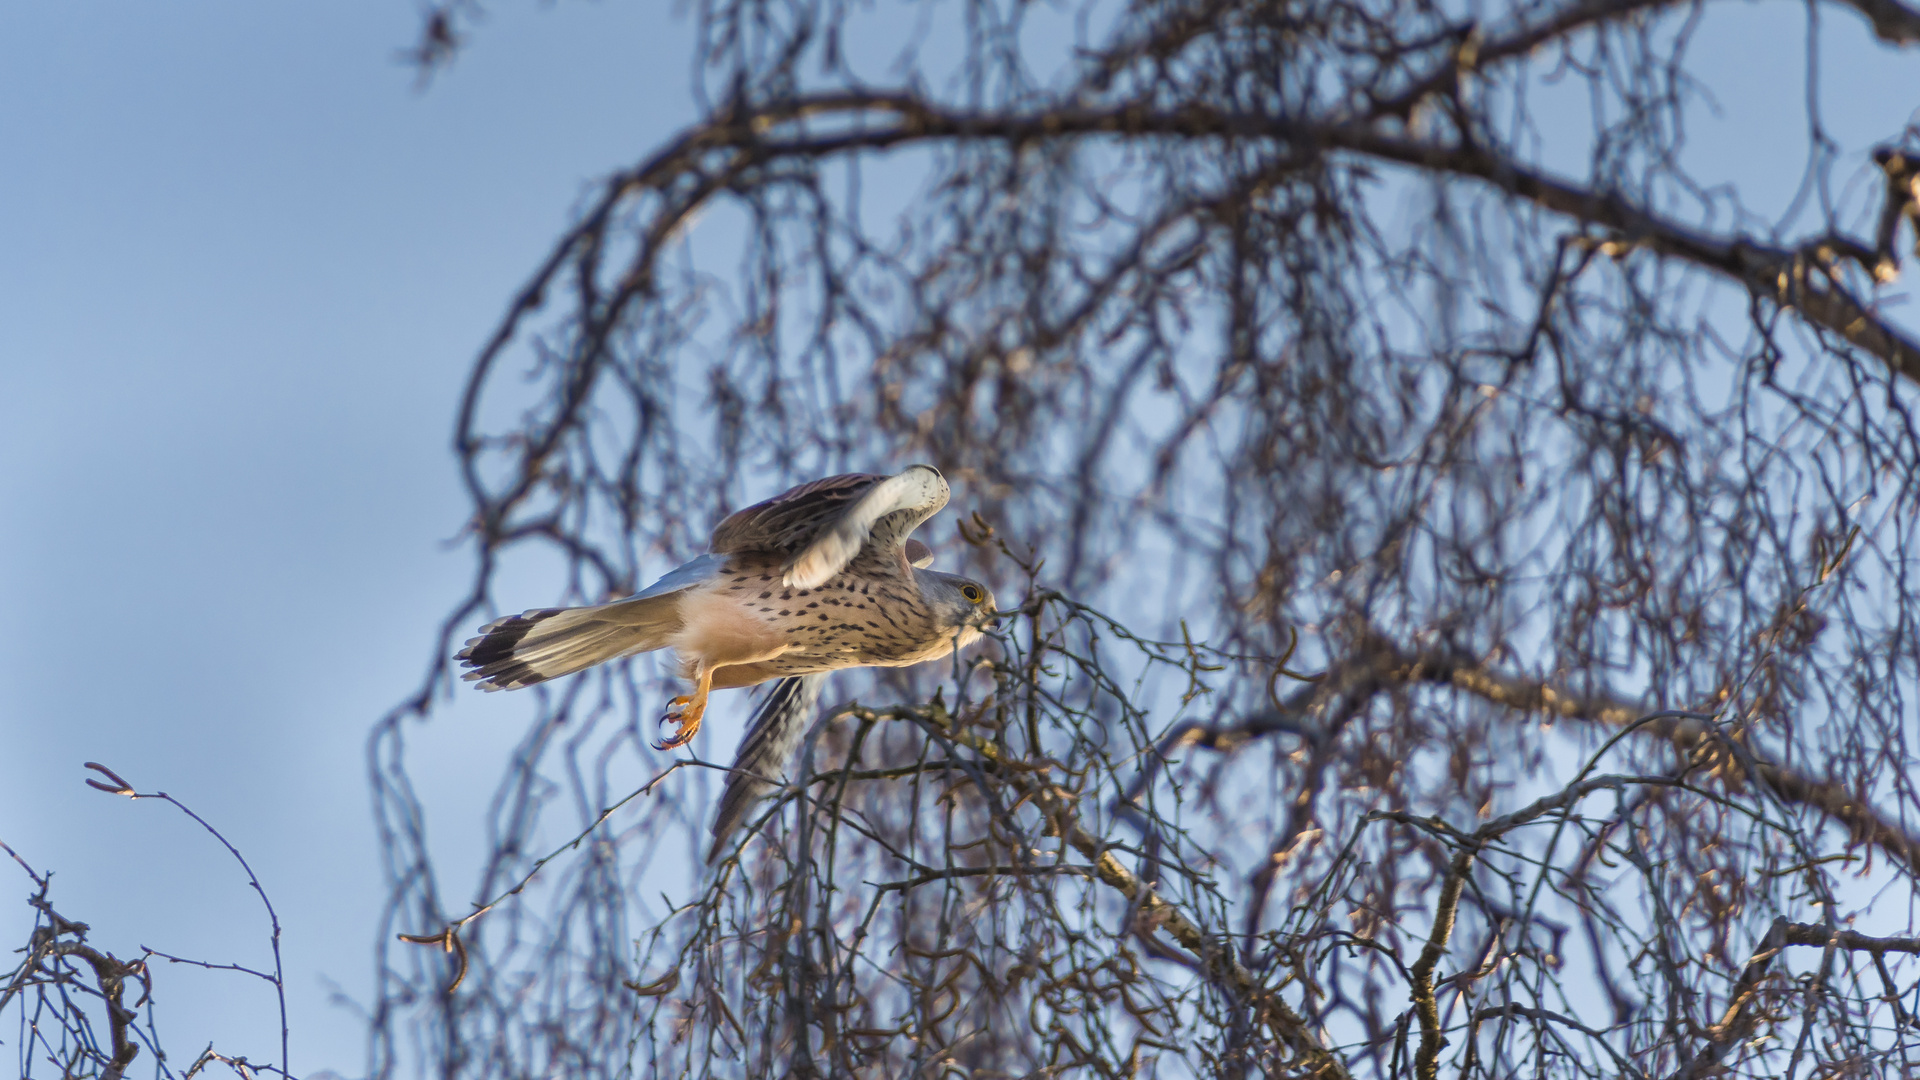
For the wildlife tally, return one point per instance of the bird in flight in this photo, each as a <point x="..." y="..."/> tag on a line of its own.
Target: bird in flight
<point x="818" y="578"/>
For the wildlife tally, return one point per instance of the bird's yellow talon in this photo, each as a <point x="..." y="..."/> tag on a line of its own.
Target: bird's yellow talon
<point x="686" y="712"/>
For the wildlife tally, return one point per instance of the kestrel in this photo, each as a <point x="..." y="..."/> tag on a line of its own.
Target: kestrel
<point x="815" y="579"/>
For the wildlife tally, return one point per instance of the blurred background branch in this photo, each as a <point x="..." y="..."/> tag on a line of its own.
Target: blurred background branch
<point x="1409" y="345"/>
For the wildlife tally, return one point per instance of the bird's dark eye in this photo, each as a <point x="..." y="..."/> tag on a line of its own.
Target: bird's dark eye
<point x="971" y="592"/>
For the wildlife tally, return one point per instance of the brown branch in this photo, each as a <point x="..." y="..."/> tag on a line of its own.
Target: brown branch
<point x="1425" y="1006"/>
<point x="1901" y="202"/>
<point x="932" y="876"/>
<point x="120" y="786"/>
<point x="1804" y="279"/>
<point x="1864" y="823"/>
<point x="1426" y="1063"/>
<point x="1339" y="697"/>
<point x="1892" y="21"/>
<point x="448" y="939"/>
<point x="1502" y="1012"/>
<point x="1217" y="961"/>
<point x="1741" y="1017"/>
<point x="37" y="879"/>
<point x="1472" y="54"/>
<point x="111" y="973"/>
<point x="1810" y="934"/>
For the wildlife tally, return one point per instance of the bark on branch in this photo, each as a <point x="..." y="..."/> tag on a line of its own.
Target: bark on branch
<point x="1806" y="279"/>
<point x="1426" y="1062"/>
<point x="1864" y="823"/>
<point x="1216" y="959"/>
<point x="47" y="946"/>
<point x="1742" y="1014"/>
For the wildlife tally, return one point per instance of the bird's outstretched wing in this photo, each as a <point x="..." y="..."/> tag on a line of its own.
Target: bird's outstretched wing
<point x="822" y="526"/>
<point x="534" y="646"/>
<point x="772" y="735"/>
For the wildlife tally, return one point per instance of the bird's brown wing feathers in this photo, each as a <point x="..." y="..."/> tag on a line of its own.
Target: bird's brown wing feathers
<point x="824" y="525"/>
<point x="790" y="520"/>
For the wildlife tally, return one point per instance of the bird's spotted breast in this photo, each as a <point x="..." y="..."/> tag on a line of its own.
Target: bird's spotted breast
<point x="871" y="614"/>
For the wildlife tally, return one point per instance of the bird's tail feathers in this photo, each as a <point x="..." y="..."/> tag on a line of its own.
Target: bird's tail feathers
<point x="534" y="646"/>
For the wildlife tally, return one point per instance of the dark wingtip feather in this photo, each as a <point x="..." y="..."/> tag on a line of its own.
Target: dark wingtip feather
<point x="776" y="723"/>
<point x="742" y="793"/>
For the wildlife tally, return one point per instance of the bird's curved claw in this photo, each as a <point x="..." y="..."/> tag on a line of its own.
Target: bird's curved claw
<point x="686" y="713"/>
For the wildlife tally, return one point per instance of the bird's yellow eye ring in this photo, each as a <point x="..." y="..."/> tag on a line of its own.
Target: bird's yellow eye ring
<point x="972" y="593"/>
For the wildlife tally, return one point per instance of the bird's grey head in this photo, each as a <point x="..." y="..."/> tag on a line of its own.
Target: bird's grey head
<point x="961" y="605"/>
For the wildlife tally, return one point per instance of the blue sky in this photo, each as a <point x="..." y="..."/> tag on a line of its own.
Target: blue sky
<point x="244" y="264"/>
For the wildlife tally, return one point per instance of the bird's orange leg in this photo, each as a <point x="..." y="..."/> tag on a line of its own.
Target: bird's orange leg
<point x="686" y="711"/>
